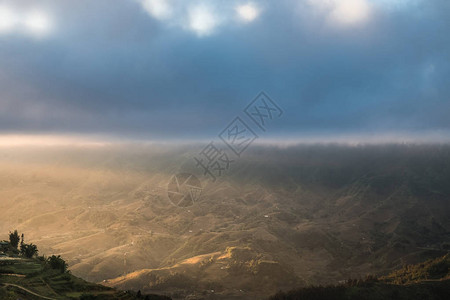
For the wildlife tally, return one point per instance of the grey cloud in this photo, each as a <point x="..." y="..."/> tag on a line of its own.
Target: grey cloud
<point x="112" y="68"/>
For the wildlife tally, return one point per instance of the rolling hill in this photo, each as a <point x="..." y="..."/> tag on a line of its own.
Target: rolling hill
<point x="306" y="214"/>
<point x="22" y="278"/>
<point x="429" y="280"/>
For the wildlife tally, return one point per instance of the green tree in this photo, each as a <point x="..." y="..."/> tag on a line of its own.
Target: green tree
<point x="28" y="250"/>
<point x="57" y="263"/>
<point x="14" y="239"/>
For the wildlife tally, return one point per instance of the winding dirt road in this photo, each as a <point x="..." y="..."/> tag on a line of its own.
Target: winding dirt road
<point x="26" y="290"/>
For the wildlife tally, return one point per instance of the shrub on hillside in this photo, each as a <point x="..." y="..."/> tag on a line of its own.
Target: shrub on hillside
<point x="57" y="263"/>
<point x="28" y="250"/>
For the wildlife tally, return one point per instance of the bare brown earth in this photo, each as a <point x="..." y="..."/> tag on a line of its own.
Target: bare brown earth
<point x="281" y="218"/>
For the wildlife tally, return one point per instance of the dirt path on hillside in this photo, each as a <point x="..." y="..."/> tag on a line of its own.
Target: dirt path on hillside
<point x="27" y="290"/>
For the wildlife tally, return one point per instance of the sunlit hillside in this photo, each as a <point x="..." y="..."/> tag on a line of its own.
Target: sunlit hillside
<point x="281" y="218"/>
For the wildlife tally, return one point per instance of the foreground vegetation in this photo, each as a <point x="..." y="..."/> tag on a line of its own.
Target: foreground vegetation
<point x="25" y="275"/>
<point x="426" y="281"/>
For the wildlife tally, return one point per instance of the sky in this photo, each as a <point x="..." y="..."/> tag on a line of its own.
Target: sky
<point x="178" y="69"/>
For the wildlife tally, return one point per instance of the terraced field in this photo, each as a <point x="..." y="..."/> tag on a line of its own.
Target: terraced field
<point x="29" y="279"/>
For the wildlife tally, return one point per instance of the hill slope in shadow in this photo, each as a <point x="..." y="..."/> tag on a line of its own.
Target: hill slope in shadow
<point x="425" y="281"/>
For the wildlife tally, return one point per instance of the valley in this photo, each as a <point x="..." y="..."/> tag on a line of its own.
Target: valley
<point x="283" y="217"/>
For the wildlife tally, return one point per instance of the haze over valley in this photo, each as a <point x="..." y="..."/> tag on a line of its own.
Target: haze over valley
<point x="282" y="218"/>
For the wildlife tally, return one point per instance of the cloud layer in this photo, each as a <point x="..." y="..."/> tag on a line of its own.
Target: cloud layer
<point x="182" y="69"/>
<point x="32" y="22"/>
<point x="202" y="18"/>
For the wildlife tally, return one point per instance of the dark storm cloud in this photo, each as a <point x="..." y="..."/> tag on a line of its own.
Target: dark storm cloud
<point x="111" y="67"/>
